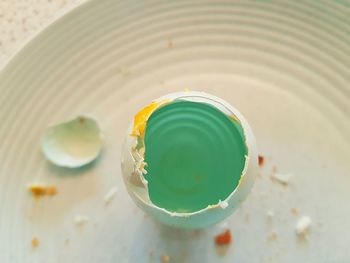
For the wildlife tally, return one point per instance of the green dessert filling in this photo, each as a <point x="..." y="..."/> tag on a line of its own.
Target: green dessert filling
<point x="195" y="155"/>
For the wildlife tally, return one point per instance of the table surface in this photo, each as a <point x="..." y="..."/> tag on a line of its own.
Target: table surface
<point x="20" y="20"/>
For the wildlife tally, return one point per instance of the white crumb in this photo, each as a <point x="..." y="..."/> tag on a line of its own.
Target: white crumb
<point x="110" y="195"/>
<point x="223" y="204"/>
<point x="282" y="178"/>
<point x="270" y="214"/>
<point x="303" y="226"/>
<point x="81" y="220"/>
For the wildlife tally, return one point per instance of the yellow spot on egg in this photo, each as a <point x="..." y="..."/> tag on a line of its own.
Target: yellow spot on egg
<point x="141" y="118"/>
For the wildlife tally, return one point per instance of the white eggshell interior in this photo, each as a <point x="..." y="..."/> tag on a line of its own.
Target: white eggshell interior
<point x="73" y="143"/>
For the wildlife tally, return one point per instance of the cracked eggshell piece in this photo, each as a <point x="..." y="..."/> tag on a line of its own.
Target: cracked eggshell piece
<point x="72" y="144"/>
<point x="213" y="213"/>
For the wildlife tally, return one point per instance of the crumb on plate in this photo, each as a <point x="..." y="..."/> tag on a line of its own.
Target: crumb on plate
<point x="41" y="190"/>
<point x="223" y="238"/>
<point x="261" y="160"/>
<point x="270" y="214"/>
<point x="294" y="211"/>
<point x="35" y="242"/>
<point x="303" y="225"/>
<point x="165" y="258"/>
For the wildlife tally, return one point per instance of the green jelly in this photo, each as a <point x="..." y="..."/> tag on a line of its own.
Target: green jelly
<point x="195" y="155"/>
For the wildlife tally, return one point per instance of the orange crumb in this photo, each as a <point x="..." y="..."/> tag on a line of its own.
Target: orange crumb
<point x="165" y="258"/>
<point x="35" y="242"/>
<point x="261" y="160"/>
<point x="37" y="190"/>
<point x="41" y="190"/>
<point x="223" y="238"/>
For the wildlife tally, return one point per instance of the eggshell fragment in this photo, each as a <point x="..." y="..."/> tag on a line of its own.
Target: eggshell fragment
<point x="72" y="144"/>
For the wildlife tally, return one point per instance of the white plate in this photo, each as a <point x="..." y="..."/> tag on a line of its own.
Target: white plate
<point x="285" y="65"/>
